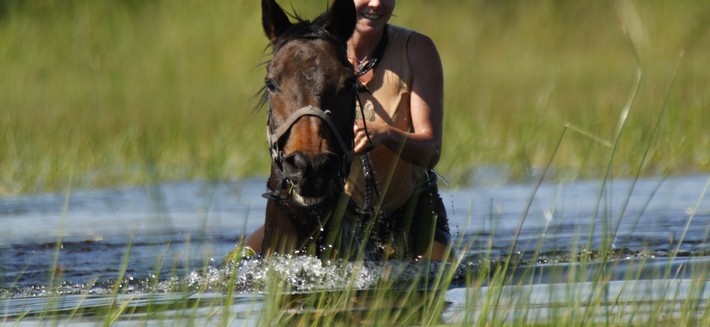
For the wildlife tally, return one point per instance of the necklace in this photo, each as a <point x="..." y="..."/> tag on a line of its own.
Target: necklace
<point x="360" y="62"/>
<point x="367" y="64"/>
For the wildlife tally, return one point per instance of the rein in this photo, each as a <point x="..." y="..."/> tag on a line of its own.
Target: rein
<point x="371" y="191"/>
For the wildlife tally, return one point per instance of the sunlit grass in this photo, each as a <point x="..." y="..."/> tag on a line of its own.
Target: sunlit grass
<point x="107" y="91"/>
<point x="103" y="91"/>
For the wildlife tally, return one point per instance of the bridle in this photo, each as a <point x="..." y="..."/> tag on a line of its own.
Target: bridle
<point x="274" y="137"/>
<point x="280" y="192"/>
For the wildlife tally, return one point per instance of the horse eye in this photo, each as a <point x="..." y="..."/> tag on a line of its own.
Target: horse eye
<point x="271" y="85"/>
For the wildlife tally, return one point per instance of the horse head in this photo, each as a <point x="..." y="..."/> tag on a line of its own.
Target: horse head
<point x="310" y="89"/>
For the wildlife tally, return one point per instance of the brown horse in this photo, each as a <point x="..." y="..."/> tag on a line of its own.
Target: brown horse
<point x="310" y="89"/>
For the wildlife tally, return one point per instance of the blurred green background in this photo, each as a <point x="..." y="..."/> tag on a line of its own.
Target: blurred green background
<point x="97" y="93"/>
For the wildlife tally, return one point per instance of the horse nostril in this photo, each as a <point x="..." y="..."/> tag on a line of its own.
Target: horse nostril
<point x="296" y="162"/>
<point x="328" y="163"/>
<point x="299" y="165"/>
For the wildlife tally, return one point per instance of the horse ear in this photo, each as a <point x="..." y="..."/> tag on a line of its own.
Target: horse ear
<point x="340" y="19"/>
<point x="274" y="19"/>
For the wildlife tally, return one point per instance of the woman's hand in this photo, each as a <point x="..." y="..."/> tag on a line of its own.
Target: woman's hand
<point x="378" y="134"/>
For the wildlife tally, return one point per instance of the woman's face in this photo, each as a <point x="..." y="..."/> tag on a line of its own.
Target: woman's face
<point x="373" y="14"/>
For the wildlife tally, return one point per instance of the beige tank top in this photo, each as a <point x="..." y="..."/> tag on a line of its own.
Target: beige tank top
<point x="389" y="102"/>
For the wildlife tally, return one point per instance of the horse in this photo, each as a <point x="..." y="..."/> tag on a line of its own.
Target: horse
<point x="310" y="90"/>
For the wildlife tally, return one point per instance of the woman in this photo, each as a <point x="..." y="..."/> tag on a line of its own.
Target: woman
<point x="402" y="104"/>
<point x="399" y="134"/>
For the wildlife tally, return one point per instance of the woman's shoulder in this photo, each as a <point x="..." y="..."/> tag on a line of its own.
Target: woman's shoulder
<point x="399" y="30"/>
<point x="415" y="41"/>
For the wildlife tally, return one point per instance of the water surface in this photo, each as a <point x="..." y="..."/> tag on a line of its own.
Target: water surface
<point x="157" y="239"/>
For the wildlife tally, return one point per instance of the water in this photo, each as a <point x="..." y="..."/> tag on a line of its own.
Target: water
<point x="156" y="241"/>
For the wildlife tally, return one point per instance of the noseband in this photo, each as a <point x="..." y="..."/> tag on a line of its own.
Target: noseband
<point x="274" y="137"/>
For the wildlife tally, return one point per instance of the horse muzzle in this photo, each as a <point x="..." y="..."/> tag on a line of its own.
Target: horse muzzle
<point x="313" y="178"/>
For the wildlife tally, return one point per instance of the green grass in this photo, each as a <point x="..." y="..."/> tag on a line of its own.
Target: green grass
<point x="122" y="92"/>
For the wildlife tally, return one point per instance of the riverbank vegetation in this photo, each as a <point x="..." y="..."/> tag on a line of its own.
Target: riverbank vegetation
<point x="102" y="93"/>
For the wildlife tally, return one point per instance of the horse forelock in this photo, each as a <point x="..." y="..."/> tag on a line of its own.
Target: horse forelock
<point x="302" y="30"/>
<point x="308" y="30"/>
